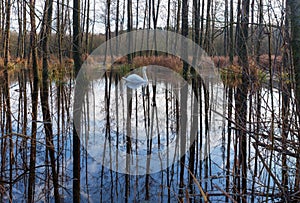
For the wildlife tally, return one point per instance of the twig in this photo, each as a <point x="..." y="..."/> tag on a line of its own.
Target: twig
<point x="205" y="198"/>
<point x="225" y="193"/>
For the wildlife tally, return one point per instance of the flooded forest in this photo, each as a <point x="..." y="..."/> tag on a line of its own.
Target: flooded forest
<point x="150" y="101"/>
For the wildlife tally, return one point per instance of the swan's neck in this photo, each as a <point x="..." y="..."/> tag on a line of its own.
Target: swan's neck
<point x="145" y="75"/>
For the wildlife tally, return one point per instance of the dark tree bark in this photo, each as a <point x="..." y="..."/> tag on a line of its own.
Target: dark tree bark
<point x="76" y="36"/>
<point x="34" y="98"/>
<point x="155" y="17"/>
<point x="155" y="13"/>
<point x="230" y="100"/>
<point x="129" y="28"/>
<point x="117" y="25"/>
<point x="77" y="104"/>
<point x="6" y="92"/>
<point x="107" y="28"/>
<point x="241" y="96"/>
<point x="202" y="24"/>
<point x="178" y="16"/>
<point x="24" y="30"/>
<point x="185" y="33"/>
<point x="258" y="94"/>
<point x="295" y="25"/>
<point x="285" y="101"/>
<point x="59" y="31"/>
<point x="226" y="38"/>
<point x="45" y="94"/>
<point x="1" y="27"/>
<point x="87" y="27"/>
<point x="231" y="44"/>
<point x="20" y="21"/>
<point x="207" y="37"/>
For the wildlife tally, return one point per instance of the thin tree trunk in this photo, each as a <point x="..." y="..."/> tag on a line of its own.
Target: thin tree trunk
<point x="185" y="33"/>
<point x="59" y="33"/>
<point x="129" y="29"/>
<point x="230" y="101"/>
<point x="178" y="17"/>
<point x="77" y="104"/>
<point x="45" y="95"/>
<point x="231" y="44"/>
<point x="117" y="25"/>
<point x="285" y="102"/>
<point x="87" y="27"/>
<point x="295" y="25"/>
<point x="24" y="30"/>
<point x="94" y="21"/>
<point x="1" y="27"/>
<point x="202" y="24"/>
<point x="226" y="38"/>
<point x="258" y="96"/>
<point x="7" y="95"/>
<point x="207" y="37"/>
<point x="34" y="98"/>
<point x="20" y="16"/>
<point x="241" y="96"/>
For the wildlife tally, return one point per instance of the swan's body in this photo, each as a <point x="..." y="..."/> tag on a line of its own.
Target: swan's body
<point x="134" y="81"/>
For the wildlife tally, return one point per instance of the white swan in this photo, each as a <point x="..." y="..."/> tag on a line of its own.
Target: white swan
<point x="134" y="81"/>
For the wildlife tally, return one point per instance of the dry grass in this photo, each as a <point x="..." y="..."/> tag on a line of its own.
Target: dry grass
<point x="1" y="63"/>
<point x="231" y="75"/>
<point x="56" y="69"/>
<point x="171" y="62"/>
<point x="223" y="62"/>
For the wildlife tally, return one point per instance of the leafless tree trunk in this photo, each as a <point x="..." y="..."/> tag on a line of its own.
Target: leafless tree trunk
<point x="295" y="25"/>
<point x="241" y="97"/>
<point x="45" y="94"/>
<point x="285" y="99"/>
<point x="207" y="37"/>
<point x="7" y="95"/>
<point x="77" y="104"/>
<point x="34" y="98"/>
<point x="59" y="31"/>
<point x="129" y="29"/>
<point x="87" y="27"/>
<point x="117" y="25"/>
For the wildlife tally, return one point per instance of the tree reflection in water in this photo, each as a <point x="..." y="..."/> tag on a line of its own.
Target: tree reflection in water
<point x="144" y="136"/>
<point x="132" y="142"/>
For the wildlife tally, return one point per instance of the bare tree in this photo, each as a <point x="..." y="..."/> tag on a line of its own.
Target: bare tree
<point x="295" y="25"/>
<point x="77" y="112"/>
<point x="241" y="96"/>
<point x="34" y="98"/>
<point x="45" y="94"/>
<point x="7" y="93"/>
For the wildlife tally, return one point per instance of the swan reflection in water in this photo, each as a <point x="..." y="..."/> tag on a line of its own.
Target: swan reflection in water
<point x="135" y="81"/>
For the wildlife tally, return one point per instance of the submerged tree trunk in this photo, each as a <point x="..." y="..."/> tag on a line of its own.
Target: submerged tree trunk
<point x="45" y="94"/>
<point x="34" y="98"/>
<point x="295" y="25"/>
<point x="77" y="105"/>
<point x="241" y="97"/>
<point x="7" y="95"/>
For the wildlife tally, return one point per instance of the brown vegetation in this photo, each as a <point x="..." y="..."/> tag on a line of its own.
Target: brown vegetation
<point x="223" y="62"/>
